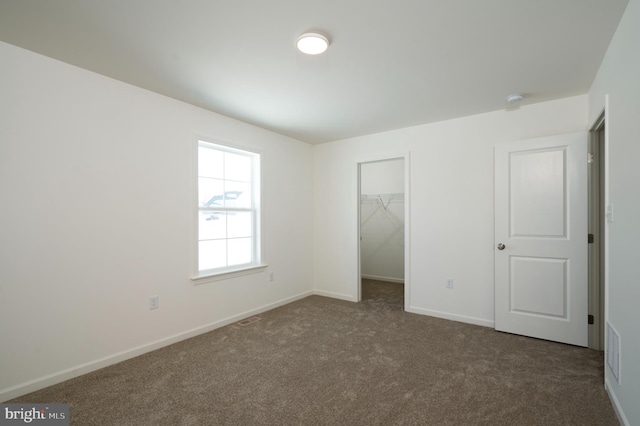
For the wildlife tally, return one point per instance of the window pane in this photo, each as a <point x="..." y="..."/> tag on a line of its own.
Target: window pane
<point x="210" y="162"/>
<point x="212" y="254"/>
<point x="226" y="238"/>
<point x="210" y="192"/>
<point x="237" y="167"/>
<point x="237" y="194"/>
<point x="240" y="251"/>
<point x="239" y="224"/>
<point x="212" y="225"/>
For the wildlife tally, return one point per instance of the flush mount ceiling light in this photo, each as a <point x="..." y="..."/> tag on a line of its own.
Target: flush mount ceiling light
<point x="312" y="43"/>
<point x="516" y="97"/>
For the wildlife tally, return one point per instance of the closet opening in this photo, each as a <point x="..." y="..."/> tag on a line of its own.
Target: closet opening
<point x="382" y="215"/>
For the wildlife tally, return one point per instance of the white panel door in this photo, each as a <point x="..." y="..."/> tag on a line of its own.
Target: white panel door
<point x="541" y="278"/>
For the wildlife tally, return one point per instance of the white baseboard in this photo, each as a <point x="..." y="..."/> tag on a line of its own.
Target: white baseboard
<point x="387" y="279"/>
<point x="453" y="317"/>
<point x="333" y="295"/>
<point x="61" y="376"/>
<point x="616" y="404"/>
<point x="416" y="310"/>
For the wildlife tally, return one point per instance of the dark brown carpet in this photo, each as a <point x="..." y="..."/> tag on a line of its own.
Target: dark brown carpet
<point x="383" y="296"/>
<point x="320" y="361"/>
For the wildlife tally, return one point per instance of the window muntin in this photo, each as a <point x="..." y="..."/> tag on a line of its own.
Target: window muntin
<point x="228" y="209"/>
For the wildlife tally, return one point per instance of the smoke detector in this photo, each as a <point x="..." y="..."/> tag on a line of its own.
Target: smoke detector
<point x="515" y="97"/>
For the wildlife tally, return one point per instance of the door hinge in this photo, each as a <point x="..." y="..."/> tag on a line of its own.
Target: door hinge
<point x="589" y="319"/>
<point x="590" y="239"/>
<point x="590" y="157"/>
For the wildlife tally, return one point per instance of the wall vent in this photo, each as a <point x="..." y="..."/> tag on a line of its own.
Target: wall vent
<point x="613" y="352"/>
<point x="248" y="321"/>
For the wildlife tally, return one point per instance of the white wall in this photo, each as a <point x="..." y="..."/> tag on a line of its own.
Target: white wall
<point x="96" y="216"/>
<point x="619" y="80"/>
<point x="382" y="220"/>
<point x="382" y="177"/>
<point x="450" y="202"/>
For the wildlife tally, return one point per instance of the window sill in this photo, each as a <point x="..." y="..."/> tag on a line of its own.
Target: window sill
<point x="211" y="277"/>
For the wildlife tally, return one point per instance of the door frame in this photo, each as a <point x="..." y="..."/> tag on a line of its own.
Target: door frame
<point x="405" y="156"/>
<point x="598" y="199"/>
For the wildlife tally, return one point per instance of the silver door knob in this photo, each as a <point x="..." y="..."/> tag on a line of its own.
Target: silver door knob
<point x="501" y="246"/>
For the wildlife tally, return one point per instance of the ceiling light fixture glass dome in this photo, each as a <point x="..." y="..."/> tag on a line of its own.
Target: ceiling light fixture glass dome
<point x="312" y="43"/>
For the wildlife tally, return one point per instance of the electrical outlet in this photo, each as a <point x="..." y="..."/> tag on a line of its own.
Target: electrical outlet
<point x="153" y="302"/>
<point x="449" y="282"/>
<point x="271" y="276"/>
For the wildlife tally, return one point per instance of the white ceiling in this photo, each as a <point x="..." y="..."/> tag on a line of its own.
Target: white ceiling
<point x="390" y="64"/>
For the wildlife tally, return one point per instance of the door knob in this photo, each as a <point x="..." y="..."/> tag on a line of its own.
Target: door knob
<point x="501" y="246"/>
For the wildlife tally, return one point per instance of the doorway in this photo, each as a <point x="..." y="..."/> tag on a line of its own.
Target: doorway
<point x="597" y="227"/>
<point x="382" y="230"/>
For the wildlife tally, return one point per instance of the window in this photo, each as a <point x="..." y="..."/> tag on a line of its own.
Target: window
<point x="228" y="210"/>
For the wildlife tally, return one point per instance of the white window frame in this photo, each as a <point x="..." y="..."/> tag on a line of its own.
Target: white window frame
<point x="203" y="276"/>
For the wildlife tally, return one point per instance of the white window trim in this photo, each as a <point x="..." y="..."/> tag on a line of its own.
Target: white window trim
<point x="207" y="277"/>
<point x="202" y="277"/>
